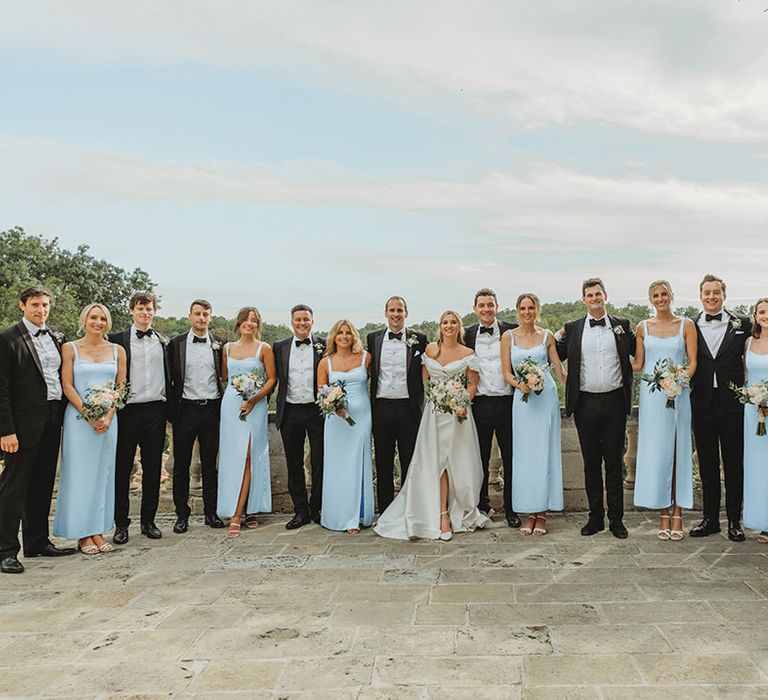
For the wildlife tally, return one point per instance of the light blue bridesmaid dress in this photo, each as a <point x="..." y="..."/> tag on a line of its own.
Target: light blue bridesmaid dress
<point x="347" y="471"/>
<point x="537" y="470"/>
<point x="85" y="504"/>
<point x="664" y="434"/>
<point x="755" y="451"/>
<point x="235" y="436"/>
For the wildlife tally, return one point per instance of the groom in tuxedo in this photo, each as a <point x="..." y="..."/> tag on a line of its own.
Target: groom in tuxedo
<point x="492" y="407"/>
<point x="31" y="413"/>
<point x="718" y="417"/>
<point x="195" y="363"/>
<point x="397" y="395"/>
<point x="297" y="417"/>
<point x="599" y="392"/>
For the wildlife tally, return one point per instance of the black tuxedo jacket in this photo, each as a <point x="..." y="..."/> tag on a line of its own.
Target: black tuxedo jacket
<point x="727" y="365"/>
<point x="177" y="358"/>
<point x="470" y="332"/>
<point x="570" y="349"/>
<point x="23" y="392"/>
<point x="282" y="351"/>
<point x="413" y="355"/>
<point x="123" y="338"/>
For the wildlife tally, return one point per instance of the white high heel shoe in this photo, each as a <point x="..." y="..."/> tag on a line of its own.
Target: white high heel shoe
<point x="446" y="536"/>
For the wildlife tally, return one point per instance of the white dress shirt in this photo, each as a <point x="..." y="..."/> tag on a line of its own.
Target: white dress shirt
<point x="600" y="363"/>
<point x="147" y="368"/>
<point x="393" y="366"/>
<point x="199" y="371"/>
<point x="301" y="373"/>
<point x="49" y="357"/>
<point x="488" y="350"/>
<point x="713" y="333"/>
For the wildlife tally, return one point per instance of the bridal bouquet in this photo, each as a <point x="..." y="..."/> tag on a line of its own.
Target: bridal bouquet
<point x="100" y="399"/>
<point x="248" y="384"/>
<point x="450" y="395"/>
<point x="757" y="395"/>
<point x="668" y="378"/>
<point x="332" y="398"/>
<point x="533" y="375"/>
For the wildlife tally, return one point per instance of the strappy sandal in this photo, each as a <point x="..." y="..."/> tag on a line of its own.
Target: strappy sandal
<point x="664" y="533"/>
<point x="448" y="535"/>
<point x="539" y="531"/>
<point x="234" y="530"/>
<point x="762" y="538"/>
<point x="88" y="549"/>
<point x="251" y="522"/>
<point x="676" y="535"/>
<point x="106" y="547"/>
<point x="528" y="529"/>
<point x="353" y="531"/>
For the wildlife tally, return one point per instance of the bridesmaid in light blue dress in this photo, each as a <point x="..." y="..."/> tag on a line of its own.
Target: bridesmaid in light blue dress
<point x="755" y="446"/>
<point x="244" y="477"/>
<point x="85" y="505"/>
<point x="347" y="474"/>
<point x="537" y="471"/>
<point x="664" y="476"/>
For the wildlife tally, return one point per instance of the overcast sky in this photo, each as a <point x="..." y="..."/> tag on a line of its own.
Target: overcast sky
<point x="337" y="152"/>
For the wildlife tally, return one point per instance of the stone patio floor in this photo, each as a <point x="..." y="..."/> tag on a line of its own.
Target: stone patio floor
<point x="314" y="614"/>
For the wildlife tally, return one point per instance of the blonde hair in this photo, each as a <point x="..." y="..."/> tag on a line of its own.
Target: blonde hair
<point x="756" y="327"/>
<point x="330" y="343"/>
<point x="460" y="337"/>
<point x="242" y="317"/>
<point x="87" y="310"/>
<point x="660" y="283"/>
<point x="533" y="298"/>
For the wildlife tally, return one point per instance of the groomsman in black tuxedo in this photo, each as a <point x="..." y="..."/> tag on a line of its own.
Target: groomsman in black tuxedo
<point x="397" y="395"/>
<point x="298" y="418"/>
<point x="142" y="421"/>
<point x="599" y="392"/>
<point x="195" y="359"/>
<point x="718" y="417"/>
<point x="31" y="413"/>
<point x="492" y="407"/>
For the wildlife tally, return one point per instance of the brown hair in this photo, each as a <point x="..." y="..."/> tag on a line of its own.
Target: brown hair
<point x="460" y="337"/>
<point x="330" y="343"/>
<point x="405" y="303"/>
<point x="484" y="292"/>
<point x="142" y="298"/>
<point x="711" y="278"/>
<point x="660" y="283"/>
<point x="532" y="297"/>
<point x="201" y="302"/>
<point x="35" y="290"/>
<point x="756" y="328"/>
<point x="242" y="317"/>
<point x="592" y="282"/>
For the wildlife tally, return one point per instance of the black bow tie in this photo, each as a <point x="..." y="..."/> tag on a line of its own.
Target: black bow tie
<point x="714" y="317"/>
<point x="142" y="334"/>
<point x="395" y="336"/>
<point x="306" y="341"/>
<point x="486" y="329"/>
<point x="42" y="331"/>
<point x="197" y="339"/>
<point x="595" y="322"/>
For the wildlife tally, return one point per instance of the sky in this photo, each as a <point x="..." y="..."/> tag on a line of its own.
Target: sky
<point x="337" y="152"/>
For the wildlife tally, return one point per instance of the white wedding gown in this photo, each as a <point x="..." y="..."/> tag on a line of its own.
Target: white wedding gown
<point x="443" y="444"/>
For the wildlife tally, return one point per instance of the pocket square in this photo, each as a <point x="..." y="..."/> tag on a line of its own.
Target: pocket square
<point x="739" y="332"/>
<point x="416" y="353"/>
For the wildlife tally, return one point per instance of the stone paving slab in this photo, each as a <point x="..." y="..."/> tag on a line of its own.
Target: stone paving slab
<point x="311" y="614"/>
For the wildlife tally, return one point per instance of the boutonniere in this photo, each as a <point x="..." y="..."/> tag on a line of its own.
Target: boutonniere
<point x="215" y="345"/>
<point x="319" y="348"/>
<point x="736" y="323"/>
<point x="58" y="336"/>
<point x="617" y="329"/>
<point x="412" y="340"/>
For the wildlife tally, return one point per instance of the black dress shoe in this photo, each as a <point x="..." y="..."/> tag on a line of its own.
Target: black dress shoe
<point x="121" y="535"/>
<point x="706" y="527"/>
<point x="735" y="533"/>
<point x="618" y="529"/>
<point x="315" y="517"/>
<point x="51" y="550"/>
<point x="298" y="520"/>
<point x="181" y="525"/>
<point x="11" y="565"/>
<point x="513" y="519"/>
<point x="151" y="530"/>
<point x="592" y="527"/>
<point x="214" y="521"/>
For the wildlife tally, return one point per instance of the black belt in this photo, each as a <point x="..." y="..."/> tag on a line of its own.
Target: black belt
<point x="199" y="402"/>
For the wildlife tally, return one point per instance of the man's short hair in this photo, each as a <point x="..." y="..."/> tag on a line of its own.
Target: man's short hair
<point x="399" y="298"/>
<point x="485" y="292"/>
<point x="302" y="307"/>
<point x="201" y="302"/>
<point x="36" y="290"/>
<point x="142" y="298"/>
<point x="711" y="278"/>
<point x="592" y="282"/>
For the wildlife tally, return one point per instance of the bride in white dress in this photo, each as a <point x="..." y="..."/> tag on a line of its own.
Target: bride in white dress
<point x="441" y="491"/>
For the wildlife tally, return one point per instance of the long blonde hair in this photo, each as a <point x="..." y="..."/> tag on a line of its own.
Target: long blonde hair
<point x="330" y="343"/>
<point x="459" y="338"/>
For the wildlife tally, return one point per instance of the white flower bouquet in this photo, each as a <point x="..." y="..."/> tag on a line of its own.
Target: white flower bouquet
<point x="248" y="384"/>
<point x="100" y="399"/>
<point x="332" y="398"/>
<point x="450" y="395"/>
<point x="532" y="374"/>
<point x="668" y="378"/>
<point x="757" y="395"/>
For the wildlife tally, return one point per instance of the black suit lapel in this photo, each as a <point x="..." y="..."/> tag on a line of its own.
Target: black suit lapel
<point x="216" y="362"/>
<point x="574" y="353"/>
<point x="730" y="334"/>
<point x="408" y="353"/>
<point x="703" y="347"/>
<point x="181" y="348"/>
<point x="378" y="342"/>
<point x="27" y="338"/>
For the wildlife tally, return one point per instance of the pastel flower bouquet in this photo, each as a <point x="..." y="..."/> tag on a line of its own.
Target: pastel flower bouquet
<point x="669" y="378"/>
<point x="450" y="395"/>
<point x="332" y="398"/>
